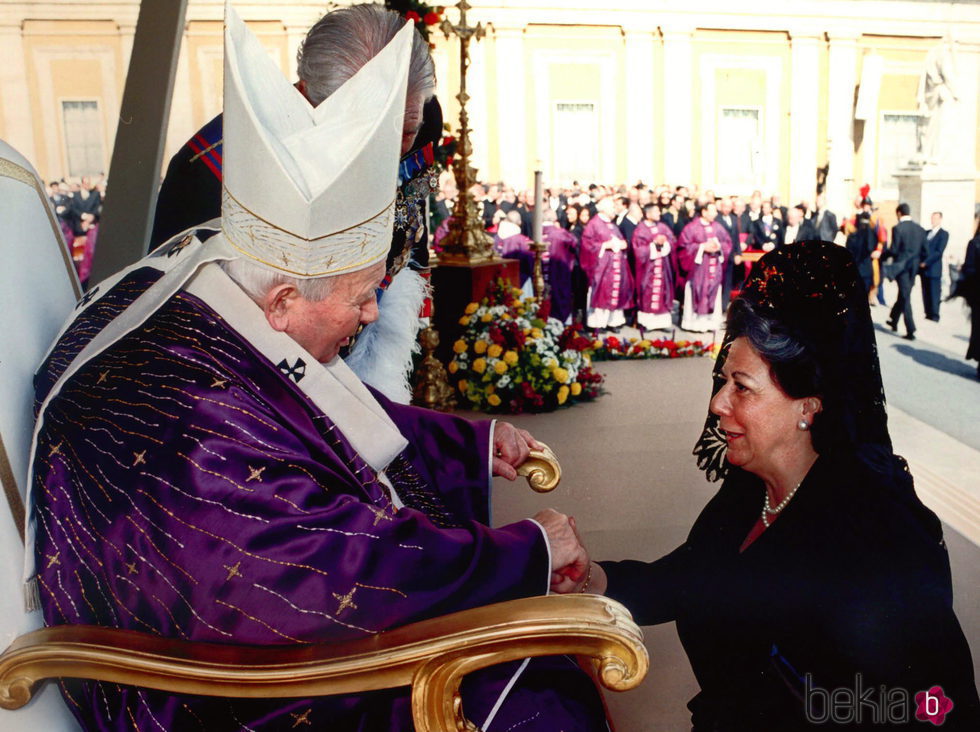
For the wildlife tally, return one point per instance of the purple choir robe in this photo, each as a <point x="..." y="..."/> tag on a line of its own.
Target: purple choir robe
<point x="706" y="277"/>
<point x="517" y="246"/>
<point x="654" y="277"/>
<point x="559" y="264"/>
<point x="184" y="485"/>
<point x="609" y="274"/>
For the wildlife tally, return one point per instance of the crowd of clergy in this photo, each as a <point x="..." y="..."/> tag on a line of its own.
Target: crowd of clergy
<point x="652" y="257"/>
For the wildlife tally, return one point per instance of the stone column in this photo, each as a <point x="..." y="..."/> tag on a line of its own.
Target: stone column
<point x="512" y="107"/>
<point x="678" y="105"/>
<point x="17" y="125"/>
<point x="295" y="34"/>
<point x="804" y="75"/>
<point x="639" y="109"/>
<point x="476" y="83"/>
<point x="127" y="31"/>
<point x="842" y="74"/>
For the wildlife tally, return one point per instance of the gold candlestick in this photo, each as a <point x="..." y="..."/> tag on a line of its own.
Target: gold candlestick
<point x="467" y="240"/>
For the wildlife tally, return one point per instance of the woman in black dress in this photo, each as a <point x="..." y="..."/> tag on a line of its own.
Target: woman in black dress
<point x="815" y="567"/>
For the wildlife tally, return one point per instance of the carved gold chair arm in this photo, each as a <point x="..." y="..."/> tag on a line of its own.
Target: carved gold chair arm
<point x="542" y="470"/>
<point x="432" y="656"/>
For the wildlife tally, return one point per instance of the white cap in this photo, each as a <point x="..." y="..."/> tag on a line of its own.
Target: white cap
<point x="310" y="191"/>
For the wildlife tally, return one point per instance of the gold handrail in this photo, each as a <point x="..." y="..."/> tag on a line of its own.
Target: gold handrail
<point x="432" y="655"/>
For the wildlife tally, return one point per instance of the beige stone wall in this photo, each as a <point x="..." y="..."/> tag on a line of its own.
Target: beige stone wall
<point x="657" y="74"/>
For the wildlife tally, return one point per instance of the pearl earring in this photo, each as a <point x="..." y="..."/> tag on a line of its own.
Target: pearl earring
<point x="803" y="425"/>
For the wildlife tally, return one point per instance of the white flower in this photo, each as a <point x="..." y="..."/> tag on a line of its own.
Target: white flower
<point x="503" y="381"/>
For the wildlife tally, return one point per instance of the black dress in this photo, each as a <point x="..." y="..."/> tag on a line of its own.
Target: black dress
<point x="852" y="578"/>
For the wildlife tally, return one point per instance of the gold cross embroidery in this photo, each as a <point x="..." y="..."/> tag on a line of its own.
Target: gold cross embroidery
<point x="255" y="473"/>
<point x="132" y="568"/>
<point x="219" y="383"/>
<point x="103" y="376"/>
<point x="139" y="458"/>
<point x="53" y="560"/>
<point x="346" y="601"/>
<point x="55" y="449"/>
<point x="379" y="514"/>
<point x="233" y="571"/>
<point x="303" y="718"/>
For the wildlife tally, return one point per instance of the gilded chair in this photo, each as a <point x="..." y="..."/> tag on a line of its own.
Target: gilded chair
<point x="38" y="290"/>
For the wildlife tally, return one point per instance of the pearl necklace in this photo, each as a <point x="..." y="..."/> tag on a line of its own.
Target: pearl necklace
<point x="767" y="509"/>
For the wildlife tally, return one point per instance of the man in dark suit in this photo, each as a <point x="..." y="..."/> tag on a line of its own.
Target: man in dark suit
<point x="729" y="222"/>
<point x="906" y="251"/>
<point x="797" y="227"/>
<point x="824" y="220"/>
<point x="767" y="230"/>
<point x="931" y="267"/>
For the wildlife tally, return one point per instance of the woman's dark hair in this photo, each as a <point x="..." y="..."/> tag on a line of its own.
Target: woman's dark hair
<point x="792" y="364"/>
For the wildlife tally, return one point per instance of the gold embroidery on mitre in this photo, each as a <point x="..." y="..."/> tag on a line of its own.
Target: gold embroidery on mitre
<point x="345" y="250"/>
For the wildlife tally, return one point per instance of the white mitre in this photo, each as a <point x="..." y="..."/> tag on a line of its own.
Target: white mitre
<point x="310" y="191"/>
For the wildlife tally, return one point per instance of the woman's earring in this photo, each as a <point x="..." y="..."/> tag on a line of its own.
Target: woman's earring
<point x="803" y="425"/>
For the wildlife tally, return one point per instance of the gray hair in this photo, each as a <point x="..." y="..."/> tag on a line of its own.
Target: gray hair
<point x="345" y="39"/>
<point x="257" y="280"/>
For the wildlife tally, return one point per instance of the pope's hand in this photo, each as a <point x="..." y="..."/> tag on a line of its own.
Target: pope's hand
<point x="569" y="559"/>
<point x="511" y="447"/>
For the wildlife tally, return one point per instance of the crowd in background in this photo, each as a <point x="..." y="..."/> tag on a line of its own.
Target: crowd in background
<point x="754" y="224"/>
<point x="78" y="207"/>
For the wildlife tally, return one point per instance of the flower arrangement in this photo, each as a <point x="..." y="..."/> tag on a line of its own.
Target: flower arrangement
<point x="612" y="348"/>
<point x="423" y="14"/>
<point x="513" y="358"/>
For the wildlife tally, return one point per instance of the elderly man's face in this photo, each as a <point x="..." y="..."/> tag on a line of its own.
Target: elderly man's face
<point x="324" y="327"/>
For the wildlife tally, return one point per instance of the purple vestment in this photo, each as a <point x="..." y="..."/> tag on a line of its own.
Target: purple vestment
<point x="705" y="276"/>
<point x="559" y="263"/>
<point x="516" y="246"/>
<point x="654" y="275"/>
<point x="186" y="486"/>
<point x="610" y="279"/>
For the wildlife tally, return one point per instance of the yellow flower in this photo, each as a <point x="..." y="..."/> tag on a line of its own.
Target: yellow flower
<point x="464" y="320"/>
<point x="463" y="386"/>
<point x="490" y="389"/>
<point x="486" y="318"/>
<point x="459" y="346"/>
<point x="453" y="367"/>
<point x="505" y="316"/>
<point x="510" y="357"/>
<point x="551" y="363"/>
<point x="480" y="365"/>
<point x="682" y="344"/>
<point x="633" y="340"/>
<point x="494" y="400"/>
<point x="597" y="343"/>
<point x="500" y="367"/>
<point x="471" y="308"/>
<point x="480" y="347"/>
<point x="560" y="375"/>
<point x="494" y="351"/>
<point x="644" y="344"/>
<point x="562" y="394"/>
<point x="537" y="333"/>
<point x="576" y="389"/>
<point x="516" y="291"/>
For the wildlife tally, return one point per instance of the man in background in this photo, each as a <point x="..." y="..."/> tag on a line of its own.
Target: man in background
<point x="931" y="267"/>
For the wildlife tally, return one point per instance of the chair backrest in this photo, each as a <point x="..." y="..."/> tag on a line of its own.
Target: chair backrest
<point x="38" y="290"/>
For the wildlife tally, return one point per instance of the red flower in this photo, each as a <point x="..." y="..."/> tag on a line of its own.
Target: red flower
<point x="544" y="310"/>
<point x="431" y="18"/>
<point x="612" y="342"/>
<point x="413" y="16"/>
